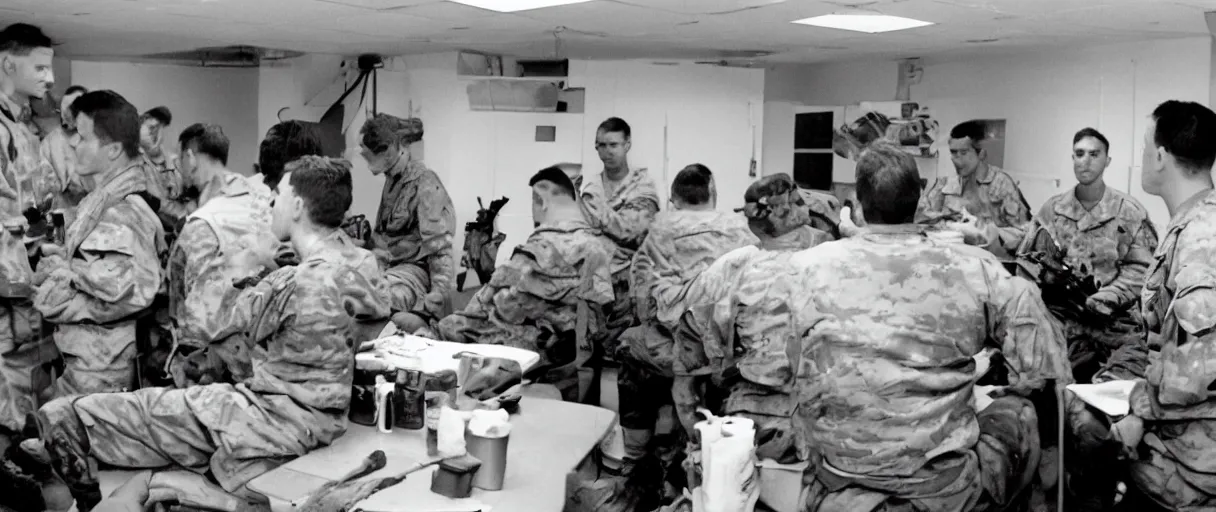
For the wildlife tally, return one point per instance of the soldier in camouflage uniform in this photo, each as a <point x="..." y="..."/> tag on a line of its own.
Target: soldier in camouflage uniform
<point x="550" y="295"/>
<point x="25" y="69"/>
<point x="719" y="351"/>
<point x="1105" y="234"/>
<point x="299" y="321"/>
<point x="682" y="242"/>
<point x="108" y="272"/>
<point x="166" y="181"/>
<point x="59" y="149"/>
<point x="622" y="202"/>
<point x="1170" y="430"/>
<point x="898" y="329"/>
<point x="416" y="223"/>
<point x="226" y="239"/>
<point x="980" y="190"/>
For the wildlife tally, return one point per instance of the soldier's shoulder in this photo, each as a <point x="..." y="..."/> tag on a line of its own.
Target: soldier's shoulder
<point x="1130" y="208"/>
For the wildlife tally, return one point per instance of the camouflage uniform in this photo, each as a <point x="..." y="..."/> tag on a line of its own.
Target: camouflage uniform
<point x="741" y="355"/>
<point x="824" y="209"/>
<point x="554" y="283"/>
<point x="1177" y="463"/>
<point x="59" y="149"/>
<point x="26" y="180"/>
<point x="112" y="276"/>
<point x="624" y="215"/>
<point x="227" y="239"/>
<point x="299" y="323"/>
<point x="680" y="245"/>
<point x="996" y="202"/>
<point x="884" y="387"/>
<point x="413" y="234"/>
<point x="1114" y="242"/>
<point x="167" y="184"/>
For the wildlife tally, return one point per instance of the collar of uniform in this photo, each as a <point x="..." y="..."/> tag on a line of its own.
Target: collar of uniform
<point x="632" y="175"/>
<point x="20" y="113"/>
<point x="228" y="184"/>
<point x="984" y="176"/>
<point x="406" y="170"/>
<point x="1189" y="204"/>
<point x="564" y="226"/>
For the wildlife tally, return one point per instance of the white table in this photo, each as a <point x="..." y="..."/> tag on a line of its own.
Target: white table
<point x="549" y="439"/>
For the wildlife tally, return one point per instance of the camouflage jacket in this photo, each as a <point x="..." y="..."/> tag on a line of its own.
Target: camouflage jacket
<point x="166" y="183"/>
<point x="299" y="322"/>
<point x="893" y="322"/>
<point x="1179" y="307"/>
<point x="28" y="179"/>
<point x="1114" y="241"/>
<point x="823" y="207"/>
<point x="997" y="204"/>
<point x="113" y="272"/>
<point x="228" y="238"/>
<point x="538" y="290"/>
<point x="416" y="224"/>
<point x="680" y="245"/>
<point x="624" y="214"/>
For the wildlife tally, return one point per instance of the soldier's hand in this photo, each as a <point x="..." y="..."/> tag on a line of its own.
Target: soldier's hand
<point x="1102" y="303"/>
<point x="1129" y="431"/>
<point x="130" y="497"/>
<point x="49" y="249"/>
<point x="435" y="303"/>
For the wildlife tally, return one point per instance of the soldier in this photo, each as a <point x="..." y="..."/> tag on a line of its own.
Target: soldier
<point x="1104" y="234"/>
<point x="621" y="202"/>
<point x="555" y="282"/>
<point x="898" y="329"/>
<point x="284" y="143"/>
<point x="165" y="179"/>
<point x="59" y="149"/>
<point x="25" y="72"/>
<point x="755" y="378"/>
<point x="108" y="271"/>
<point x="682" y="242"/>
<point x="980" y="190"/>
<point x="299" y="321"/>
<point x="416" y="222"/>
<point x="228" y="237"/>
<point x="1171" y="422"/>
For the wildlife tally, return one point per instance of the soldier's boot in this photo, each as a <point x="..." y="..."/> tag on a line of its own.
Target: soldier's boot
<point x="637" y="447"/>
<point x="67" y="444"/>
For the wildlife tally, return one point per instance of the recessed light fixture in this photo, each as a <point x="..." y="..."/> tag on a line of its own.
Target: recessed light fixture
<point x="868" y="23"/>
<point x="516" y="5"/>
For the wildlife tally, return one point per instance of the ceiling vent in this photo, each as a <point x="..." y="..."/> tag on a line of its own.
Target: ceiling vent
<point x="225" y="56"/>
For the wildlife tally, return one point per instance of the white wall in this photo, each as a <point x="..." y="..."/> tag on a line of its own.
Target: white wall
<point x="224" y="96"/>
<point x="1045" y="97"/>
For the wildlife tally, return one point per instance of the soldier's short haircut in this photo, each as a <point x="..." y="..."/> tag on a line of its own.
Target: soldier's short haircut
<point x="114" y="119"/>
<point x="205" y="139"/>
<point x="1085" y="133"/>
<point x="888" y="185"/>
<point x="161" y="114"/>
<point x="969" y="130"/>
<point x="616" y="125"/>
<point x="75" y="89"/>
<point x="692" y="185"/>
<point x="284" y="143"/>
<point x="324" y="184"/>
<point x="22" y="38"/>
<point x="557" y="179"/>
<point x="1187" y="130"/>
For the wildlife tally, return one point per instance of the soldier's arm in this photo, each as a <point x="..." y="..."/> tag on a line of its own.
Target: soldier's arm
<point x="519" y="287"/>
<point x="708" y="287"/>
<point x="1187" y="364"/>
<point x="627" y="226"/>
<point x="642" y="275"/>
<point x="1031" y="340"/>
<point x="436" y="222"/>
<point x="1133" y="267"/>
<point x="929" y="208"/>
<point x="1015" y="214"/>
<point x="195" y="296"/>
<point x="116" y="275"/>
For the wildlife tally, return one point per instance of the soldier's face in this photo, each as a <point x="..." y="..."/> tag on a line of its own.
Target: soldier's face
<point x="1089" y="160"/>
<point x="31" y="74"/>
<point x="95" y="156"/>
<point x="965" y="156"/>
<point x="612" y="148"/>
<point x="379" y="162"/>
<point x="538" y="206"/>
<point x="149" y="135"/>
<point x="1152" y="165"/>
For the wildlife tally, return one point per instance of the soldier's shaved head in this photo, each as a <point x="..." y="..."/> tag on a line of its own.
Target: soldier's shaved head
<point x="888" y="185"/>
<point x="554" y="181"/>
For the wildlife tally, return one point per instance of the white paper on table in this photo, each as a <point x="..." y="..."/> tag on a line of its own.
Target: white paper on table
<point x="431" y="356"/>
<point x="981" y="398"/>
<point x="1112" y="398"/>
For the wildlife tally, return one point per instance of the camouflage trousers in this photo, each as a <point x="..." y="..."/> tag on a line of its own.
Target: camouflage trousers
<point x="24" y="380"/>
<point x="1159" y="474"/>
<point x="232" y="432"/>
<point x="645" y="380"/>
<point x="96" y="359"/>
<point x="993" y="477"/>
<point x="1091" y="348"/>
<point x="407" y="286"/>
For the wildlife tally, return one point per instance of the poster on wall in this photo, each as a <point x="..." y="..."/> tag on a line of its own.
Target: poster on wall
<point x="905" y="124"/>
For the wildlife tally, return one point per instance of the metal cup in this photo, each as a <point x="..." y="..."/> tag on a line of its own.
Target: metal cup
<point x="492" y="452"/>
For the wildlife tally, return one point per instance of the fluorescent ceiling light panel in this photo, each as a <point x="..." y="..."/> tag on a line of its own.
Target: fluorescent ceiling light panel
<point x="868" y="23"/>
<point x="516" y="5"/>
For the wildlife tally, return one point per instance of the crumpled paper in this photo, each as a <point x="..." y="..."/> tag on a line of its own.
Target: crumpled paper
<point x="490" y="424"/>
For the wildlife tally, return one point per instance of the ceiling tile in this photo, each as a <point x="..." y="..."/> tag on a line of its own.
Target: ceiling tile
<point x="617" y="19"/>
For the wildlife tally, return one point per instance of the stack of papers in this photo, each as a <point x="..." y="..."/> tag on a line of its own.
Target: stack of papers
<point x="1112" y="398"/>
